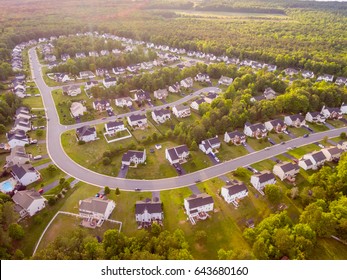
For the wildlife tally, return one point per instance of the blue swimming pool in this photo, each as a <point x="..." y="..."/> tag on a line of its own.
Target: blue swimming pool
<point x="7" y="186"/>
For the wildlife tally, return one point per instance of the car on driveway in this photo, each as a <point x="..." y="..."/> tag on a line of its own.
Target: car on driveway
<point x="271" y="141"/>
<point x="137" y="189"/>
<point x="305" y="136"/>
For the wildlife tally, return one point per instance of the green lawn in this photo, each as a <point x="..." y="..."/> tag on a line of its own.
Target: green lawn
<point x="300" y="151"/>
<point x="279" y="137"/>
<point x="169" y="125"/>
<point x="36" y="149"/>
<point x="267" y="164"/>
<point x="227" y="152"/>
<point x="336" y="123"/>
<point x="198" y="160"/>
<point x="173" y="97"/>
<point x="257" y="144"/>
<point x="140" y="134"/>
<point x="329" y="249"/>
<point x="33" y="102"/>
<point x="298" y="132"/>
<point x="318" y="127"/>
<point x="47" y="178"/>
<point x="40" y="162"/>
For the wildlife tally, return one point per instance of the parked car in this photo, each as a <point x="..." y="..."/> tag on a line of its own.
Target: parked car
<point x="137" y="189"/>
<point x="305" y="136"/>
<point x="40" y="191"/>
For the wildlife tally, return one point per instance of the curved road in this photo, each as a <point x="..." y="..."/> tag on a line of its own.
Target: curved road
<point x="65" y="163"/>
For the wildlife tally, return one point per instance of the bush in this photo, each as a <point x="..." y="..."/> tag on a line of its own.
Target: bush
<point x="106" y="161"/>
<point x="59" y="195"/>
<point x="343" y="135"/>
<point x="280" y="136"/>
<point x="51" y="201"/>
<point x="107" y="190"/>
<point x="81" y="142"/>
<point x="117" y="191"/>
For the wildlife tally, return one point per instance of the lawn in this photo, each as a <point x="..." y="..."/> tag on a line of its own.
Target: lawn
<point x="279" y="137"/>
<point x="300" y="151"/>
<point x="329" y="249"/>
<point x="298" y="131"/>
<point x="36" y="149"/>
<point x="140" y="134"/>
<point x="173" y="97"/>
<point x="258" y="144"/>
<point x="169" y="125"/>
<point x="47" y="178"/>
<point x="40" y="162"/>
<point x="33" y="102"/>
<point x="318" y="127"/>
<point x="227" y="152"/>
<point x="267" y="164"/>
<point x="197" y="161"/>
<point x="336" y="123"/>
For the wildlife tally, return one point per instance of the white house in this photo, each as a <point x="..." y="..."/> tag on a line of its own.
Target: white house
<point x="325" y="77"/>
<point x="331" y="113"/>
<point x="72" y="90"/>
<point x="177" y="154"/>
<point x="86" y="133"/>
<point x="196" y="103"/>
<point x="341" y="81"/>
<point x="343" y="108"/>
<point x="276" y="125"/>
<point x="342" y="145"/>
<point x="291" y="71"/>
<point x="161" y="116"/>
<point x="61" y="77"/>
<point x="109" y="82"/>
<point x="18" y="156"/>
<point x="93" y="54"/>
<point x="332" y="153"/>
<point x="210" y="97"/>
<point x="96" y="208"/>
<point x="114" y="127"/>
<point x="204" y="78"/>
<point x="259" y="181"/>
<point x="181" y="111"/>
<point x="123" y="102"/>
<point x="88" y="85"/>
<point x="210" y="145"/>
<point x="315" y="117"/>
<point x="226" y="81"/>
<point x="257" y="130"/>
<point x="149" y="210"/>
<point x="269" y="94"/>
<point x="137" y="121"/>
<point x="317" y="159"/>
<point x="23" y="112"/>
<point x="101" y="105"/>
<point x="295" y="120"/>
<point x="87" y="75"/>
<point x="198" y="205"/>
<point x="235" y="137"/>
<point x="306" y="164"/>
<point x="187" y="83"/>
<point x="134" y="157"/>
<point x="234" y="191"/>
<point x="118" y="70"/>
<point x="175" y="88"/>
<point x="161" y="94"/>
<point x="77" y="109"/>
<point x="28" y="202"/>
<point x="307" y="74"/>
<point x="22" y="124"/>
<point x="286" y="170"/>
<point x="17" y="138"/>
<point x="25" y="174"/>
<point x="141" y="95"/>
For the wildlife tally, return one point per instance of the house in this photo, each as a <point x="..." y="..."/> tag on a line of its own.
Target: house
<point x="114" y="127"/>
<point x="93" y="54"/>
<point x="132" y="68"/>
<point x="18" y="156"/>
<point x="25" y="174"/>
<point x="72" y="90"/>
<point x="177" y="154"/>
<point x="341" y="81"/>
<point x="61" y="77"/>
<point x="306" y="164"/>
<point x="149" y="210"/>
<point x="196" y="103"/>
<point x="141" y="95"/>
<point x="257" y="130"/>
<point x="104" y="52"/>
<point x="181" y="111"/>
<point x="203" y="78"/>
<point x="259" y="181"/>
<point x="28" y="202"/>
<point x="77" y="109"/>
<point x="343" y="108"/>
<point x="137" y="121"/>
<point x="118" y="70"/>
<point x="286" y="170"/>
<point x="210" y="145"/>
<point x="342" y="145"/>
<point x="291" y="71"/>
<point x="134" y="157"/>
<point x="315" y="117"/>
<point x="175" y="88"/>
<point x="276" y="125"/>
<point x="86" y="133"/>
<point x="101" y="72"/>
<point x="307" y="74"/>
<point x="269" y="94"/>
<point x="210" y="97"/>
<point x="109" y="82"/>
<point x="87" y="75"/>
<point x="17" y="138"/>
<point x="64" y="57"/>
<point x="325" y="77"/>
<point x="198" y="205"/>
<point x="123" y="102"/>
<point x="23" y="112"/>
<point x="235" y="137"/>
<point x="88" y="85"/>
<point x="317" y="159"/>
<point x="270" y="67"/>
<point x="332" y="153"/>
<point x="80" y="55"/>
<point x="331" y="113"/>
<point x="161" y="94"/>
<point x="234" y="191"/>
<point x="295" y="120"/>
<point x="50" y="58"/>
<point x="101" y="105"/>
<point x="146" y="65"/>
<point x="161" y="116"/>
<point x="22" y="124"/>
<point x="257" y="98"/>
<point x="96" y="208"/>
<point x="226" y="81"/>
<point x="187" y="83"/>
<point x="116" y="51"/>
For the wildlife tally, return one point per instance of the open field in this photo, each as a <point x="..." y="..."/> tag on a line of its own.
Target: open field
<point x="227" y="152"/>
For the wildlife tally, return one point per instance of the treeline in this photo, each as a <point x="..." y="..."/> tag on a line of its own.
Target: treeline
<point x="9" y="103"/>
<point x="237" y="9"/>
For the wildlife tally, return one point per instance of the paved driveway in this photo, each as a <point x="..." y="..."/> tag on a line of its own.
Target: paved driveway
<point x="249" y="148"/>
<point x="328" y="125"/>
<point x="123" y="172"/>
<point x="194" y="189"/>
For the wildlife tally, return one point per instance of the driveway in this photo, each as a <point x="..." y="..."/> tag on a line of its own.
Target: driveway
<point x="179" y="169"/>
<point x="194" y="189"/>
<point x="328" y="125"/>
<point x="213" y="160"/>
<point x="249" y="148"/>
<point x="123" y="172"/>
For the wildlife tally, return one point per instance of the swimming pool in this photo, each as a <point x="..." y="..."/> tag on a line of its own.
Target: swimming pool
<point x="8" y="185"/>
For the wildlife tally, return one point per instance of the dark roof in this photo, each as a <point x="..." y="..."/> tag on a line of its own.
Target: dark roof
<point x="334" y="150"/>
<point x="265" y="176"/>
<point x="213" y="141"/>
<point x="236" y="133"/>
<point x="181" y="107"/>
<point x="102" y="102"/>
<point x="212" y="95"/>
<point x="297" y="116"/>
<point x="113" y="124"/>
<point x="129" y="154"/>
<point x="288" y="166"/>
<point x="202" y="199"/>
<point x="172" y="154"/>
<point x="162" y="112"/>
<point x="134" y="118"/>
<point x="308" y="162"/>
<point x="181" y="149"/>
<point x="236" y="187"/>
<point x="20" y="171"/>
<point x="18" y="134"/>
<point x="108" y="80"/>
<point x="199" y="101"/>
<point x="23" y="110"/>
<point x="150" y="206"/>
<point x="25" y="198"/>
<point x="277" y="122"/>
<point x="318" y="156"/>
<point x="255" y="127"/>
<point x="85" y="130"/>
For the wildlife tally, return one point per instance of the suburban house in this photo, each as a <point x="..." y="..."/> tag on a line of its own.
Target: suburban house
<point x="23" y="112"/>
<point x="341" y="81"/>
<point x="123" y="102"/>
<point x="187" y="83"/>
<point x="325" y="77"/>
<point x="196" y="104"/>
<point x="17" y="156"/>
<point x="72" y="90"/>
<point x="181" y="111"/>
<point x="210" y="97"/>
<point x="226" y="81"/>
<point x="141" y="95"/>
<point x="118" y="70"/>
<point x="343" y="108"/>
<point x="259" y="181"/>
<point x="177" y="154"/>
<point x="295" y="120"/>
<point x="137" y="121"/>
<point x="161" y="115"/>
<point x="22" y="124"/>
<point x="17" y="138"/>
<point x="87" y="75"/>
<point x="286" y="170"/>
<point x="28" y="202"/>
<point x="64" y="57"/>
<point x="234" y="191"/>
<point x="235" y="137"/>
<point x="101" y="72"/>
<point x="331" y="113"/>
<point x="276" y="125"/>
<point x="86" y="133"/>
<point x="198" y="205"/>
<point x="104" y="52"/>
<point x="307" y="74"/>
<point x="269" y="94"/>
<point x="332" y="153"/>
<point x="134" y="157"/>
<point x="77" y="109"/>
<point x="96" y="208"/>
<point x="61" y="77"/>
<point x="161" y="94"/>
<point x="149" y="210"/>
<point x="317" y="159"/>
<point x="88" y="85"/>
<point x="113" y="127"/>
<point x="342" y="145"/>
<point x="175" y="88"/>
<point x="315" y="117"/>
<point x="291" y="71"/>
<point x="109" y="82"/>
<point x="210" y="145"/>
<point x="93" y="54"/>
<point x="25" y="174"/>
<point x="204" y="78"/>
<point x="257" y="130"/>
<point x="101" y="105"/>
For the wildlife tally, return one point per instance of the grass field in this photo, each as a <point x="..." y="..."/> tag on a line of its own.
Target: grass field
<point x="258" y="144"/>
<point x="227" y="152"/>
<point x="336" y="123"/>
<point x="318" y="127"/>
<point x="298" y="131"/>
<point x="300" y="151"/>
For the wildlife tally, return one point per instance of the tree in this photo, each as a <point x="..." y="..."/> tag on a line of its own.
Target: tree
<point x="273" y="193"/>
<point x="194" y="146"/>
<point x="343" y="135"/>
<point x="155" y="229"/>
<point x="200" y="236"/>
<point x="117" y="191"/>
<point x="107" y="190"/>
<point x="2" y="129"/>
<point x="16" y="231"/>
<point x="61" y="180"/>
<point x="106" y="161"/>
<point x="51" y="169"/>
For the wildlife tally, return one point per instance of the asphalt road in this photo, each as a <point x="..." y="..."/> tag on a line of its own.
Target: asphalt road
<point x="65" y="163"/>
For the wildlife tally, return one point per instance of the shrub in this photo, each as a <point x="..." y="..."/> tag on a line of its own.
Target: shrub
<point x="81" y="142"/>
<point x="106" y="161"/>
